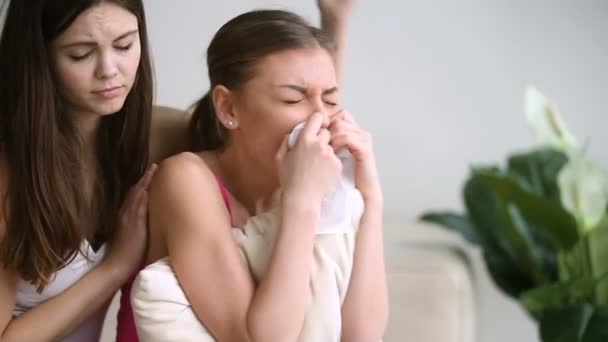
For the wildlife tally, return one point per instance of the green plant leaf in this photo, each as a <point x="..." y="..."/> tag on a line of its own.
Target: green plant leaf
<point x="557" y="296"/>
<point x="598" y="259"/>
<point x="506" y="274"/>
<point x="575" y="323"/>
<point x="537" y="171"/>
<point x="539" y="246"/>
<point x="455" y="222"/>
<point x="597" y="328"/>
<point x="507" y="253"/>
<point x="565" y="325"/>
<point x="492" y="210"/>
<point x="574" y="263"/>
<point x="544" y="214"/>
<point x="588" y="259"/>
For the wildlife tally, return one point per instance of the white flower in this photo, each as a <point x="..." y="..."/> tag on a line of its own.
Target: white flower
<point x="545" y="122"/>
<point x="583" y="187"/>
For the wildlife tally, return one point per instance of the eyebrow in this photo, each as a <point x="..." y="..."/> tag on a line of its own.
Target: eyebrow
<point x="91" y="43"/>
<point x="303" y="90"/>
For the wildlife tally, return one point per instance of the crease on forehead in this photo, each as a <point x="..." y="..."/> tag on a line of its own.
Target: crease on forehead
<point x="104" y="21"/>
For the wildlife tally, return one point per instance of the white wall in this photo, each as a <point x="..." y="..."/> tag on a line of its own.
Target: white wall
<point x="439" y="84"/>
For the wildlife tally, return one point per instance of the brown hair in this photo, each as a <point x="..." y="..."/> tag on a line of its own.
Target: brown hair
<point x="232" y="54"/>
<point x="45" y="206"/>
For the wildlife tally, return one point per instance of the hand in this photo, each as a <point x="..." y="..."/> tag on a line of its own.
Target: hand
<point x="335" y="11"/>
<point x="129" y="244"/>
<point x="346" y="133"/>
<point x="310" y="168"/>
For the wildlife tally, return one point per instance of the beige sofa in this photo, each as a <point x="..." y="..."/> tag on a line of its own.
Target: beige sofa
<point x="432" y="297"/>
<point x="431" y="287"/>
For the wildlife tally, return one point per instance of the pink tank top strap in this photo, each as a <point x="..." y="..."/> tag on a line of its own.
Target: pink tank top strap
<point x="226" y="198"/>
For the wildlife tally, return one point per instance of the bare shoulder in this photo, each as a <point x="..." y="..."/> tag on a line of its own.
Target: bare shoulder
<point x="185" y="170"/>
<point x="183" y="187"/>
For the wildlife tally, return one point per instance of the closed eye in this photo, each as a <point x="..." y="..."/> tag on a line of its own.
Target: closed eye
<point x="80" y="57"/>
<point x="124" y="47"/>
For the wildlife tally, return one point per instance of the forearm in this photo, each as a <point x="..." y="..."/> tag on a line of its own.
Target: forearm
<point x="337" y="27"/>
<point x="281" y="299"/>
<point x="365" y="308"/>
<point x="59" y="316"/>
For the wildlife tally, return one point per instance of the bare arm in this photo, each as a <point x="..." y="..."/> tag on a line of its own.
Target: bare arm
<point x="56" y="318"/>
<point x="187" y="207"/>
<point x="283" y="294"/>
<point x="335" y="16"/>
<point x="365" y="308"/>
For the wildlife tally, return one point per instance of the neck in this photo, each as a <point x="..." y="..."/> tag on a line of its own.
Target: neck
<point x="251" y="186"/>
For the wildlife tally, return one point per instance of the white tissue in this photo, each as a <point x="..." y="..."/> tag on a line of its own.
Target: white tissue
<point x="339" y="204"/>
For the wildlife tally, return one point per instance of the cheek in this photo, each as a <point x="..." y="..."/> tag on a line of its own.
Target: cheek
<point x="130" y="64"/>
<point x="73" y="78"/>
<point x="265" y="122"/>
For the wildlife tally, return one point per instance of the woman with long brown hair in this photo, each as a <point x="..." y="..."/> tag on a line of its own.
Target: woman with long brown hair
<point x="75" y="106"/>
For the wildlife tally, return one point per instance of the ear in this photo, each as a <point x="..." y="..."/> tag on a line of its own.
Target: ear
<point x="224" y="107"/>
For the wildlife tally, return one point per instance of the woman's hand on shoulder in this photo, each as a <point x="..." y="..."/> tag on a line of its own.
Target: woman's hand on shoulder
<point x="129" y="243"/>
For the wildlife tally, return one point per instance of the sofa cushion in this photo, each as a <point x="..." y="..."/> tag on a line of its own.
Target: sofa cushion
<point x="431" y="294"/>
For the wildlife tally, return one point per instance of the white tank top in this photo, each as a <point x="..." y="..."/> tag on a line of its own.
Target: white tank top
<point x="28" y="297"/>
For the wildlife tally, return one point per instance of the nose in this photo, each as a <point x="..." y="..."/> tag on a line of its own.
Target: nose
<point x="106" y="66"/>
<point x="318" y="106"/>
<point x="326" y="118"/>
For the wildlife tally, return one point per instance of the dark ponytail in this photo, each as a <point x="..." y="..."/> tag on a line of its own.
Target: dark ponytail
<point x="206" y="133"/>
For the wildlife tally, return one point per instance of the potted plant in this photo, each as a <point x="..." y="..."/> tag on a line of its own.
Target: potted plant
<point x="541" y="222"/>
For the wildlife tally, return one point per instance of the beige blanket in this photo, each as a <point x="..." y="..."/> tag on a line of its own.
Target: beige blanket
<point x="163" y="313"/>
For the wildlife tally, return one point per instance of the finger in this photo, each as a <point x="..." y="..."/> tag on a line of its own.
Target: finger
<point x="342" y="127"/>
<point x="339" y="114"/>
<point x="131" y="203"/>
<point x="313" y="125"/>
<point x="354" y="143"/>
<point x="131" y="197"/>
<point x="142" y="206"/>
<point x="324" y="136"/>
<point x="147" y="177"/>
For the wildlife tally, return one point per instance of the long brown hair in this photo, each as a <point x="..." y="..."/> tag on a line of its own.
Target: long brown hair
<point x="45" y="206"/>
<point x="233" y="53"/>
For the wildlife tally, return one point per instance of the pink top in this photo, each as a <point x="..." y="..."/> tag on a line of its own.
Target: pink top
<point x="125" y="329"/>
